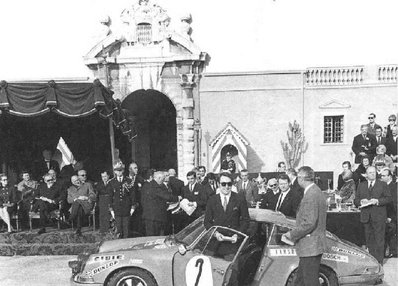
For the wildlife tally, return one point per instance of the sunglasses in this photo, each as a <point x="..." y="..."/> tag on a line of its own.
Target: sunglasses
<point x="48" y="181"/>
<point x="83" y="175"/>
<point x="229" y="184"/>
<point x="371" y="118"/>
<point x="274" y="185"/>
<point x="392" y="120"/>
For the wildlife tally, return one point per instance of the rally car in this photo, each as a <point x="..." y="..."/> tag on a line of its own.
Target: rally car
<point x="198" y="257"/>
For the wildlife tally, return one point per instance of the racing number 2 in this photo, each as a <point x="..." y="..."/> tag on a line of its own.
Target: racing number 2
<point x="200" y="263"/>
<point x="198" y="271"/>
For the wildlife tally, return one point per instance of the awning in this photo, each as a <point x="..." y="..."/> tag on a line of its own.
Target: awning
<point x="69" y="99"/>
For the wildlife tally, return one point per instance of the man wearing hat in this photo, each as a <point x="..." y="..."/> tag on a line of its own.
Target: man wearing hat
<point x="122" y="200"/>
<point x="228" y="164"/>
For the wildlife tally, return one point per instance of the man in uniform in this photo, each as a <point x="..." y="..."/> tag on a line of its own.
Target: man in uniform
<point x="228" y="164"/>
<point x="7" y="200"/>
<point x="122" y="200"/>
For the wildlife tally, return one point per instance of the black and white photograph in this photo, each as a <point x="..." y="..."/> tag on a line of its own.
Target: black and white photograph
<point x="198" y="143"/>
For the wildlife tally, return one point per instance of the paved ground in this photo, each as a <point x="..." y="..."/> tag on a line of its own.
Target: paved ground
<point x="53" y="270"/>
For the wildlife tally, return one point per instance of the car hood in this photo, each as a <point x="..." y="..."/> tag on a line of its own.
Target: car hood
<point x="140" y="243"/>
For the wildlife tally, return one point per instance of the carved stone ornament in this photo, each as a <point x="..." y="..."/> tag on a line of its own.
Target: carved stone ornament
<point x="145" y="23"/>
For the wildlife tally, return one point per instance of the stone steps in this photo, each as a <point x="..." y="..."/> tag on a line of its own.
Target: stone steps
<point x="53" y="242"/>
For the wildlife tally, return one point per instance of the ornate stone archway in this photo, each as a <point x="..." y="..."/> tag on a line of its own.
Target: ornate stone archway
<point x="148" y="53"/>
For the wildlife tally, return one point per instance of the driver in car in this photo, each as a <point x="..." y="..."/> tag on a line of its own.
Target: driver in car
<point x="230" y="210"/>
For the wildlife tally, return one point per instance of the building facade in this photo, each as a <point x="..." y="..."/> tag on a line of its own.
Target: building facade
<point x="186" y="117"/>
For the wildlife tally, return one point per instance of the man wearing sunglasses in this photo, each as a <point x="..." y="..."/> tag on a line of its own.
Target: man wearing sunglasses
<point x="230" y="210"/>
<point x="269" y="200"/>
<point x="47" y="198"/>
<point x="372" y="125"/>
<point x="364" y="144"/>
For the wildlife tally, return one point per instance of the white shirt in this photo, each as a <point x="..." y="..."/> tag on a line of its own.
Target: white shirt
<point x="371" y="182"/>
<point x="222" y="196"/>
<point x="309" y="186"/>
<point x="282" y="197"/>
<point x="244" y="185"/>
<point x="191" y="187"/>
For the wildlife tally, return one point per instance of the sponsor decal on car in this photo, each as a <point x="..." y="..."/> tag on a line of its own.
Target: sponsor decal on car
<point x="101" y="268"/>
<point x="136" y="261"/>
<point x="160" y="246"/>
<point x="108" y="257"/>
<point x="153" y="242"/>
<point x="282" y="252"/>
<point x="347" y="251"/>
<point x="335" y="257"/>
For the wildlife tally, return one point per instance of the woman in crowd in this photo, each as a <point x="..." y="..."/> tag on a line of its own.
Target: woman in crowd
<point x="360" y="172"/>
<point x="381" y="156"/>
<point x="347" y="191"/>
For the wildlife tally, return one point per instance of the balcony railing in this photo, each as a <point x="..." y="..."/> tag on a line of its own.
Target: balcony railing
<point x="388" y="73"/>
<point x="334" y="76"/>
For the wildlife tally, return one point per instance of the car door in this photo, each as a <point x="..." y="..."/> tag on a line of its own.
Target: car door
<point x="207" y="261"/>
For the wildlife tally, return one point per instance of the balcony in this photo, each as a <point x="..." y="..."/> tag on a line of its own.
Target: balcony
<point x="334" y="76"/>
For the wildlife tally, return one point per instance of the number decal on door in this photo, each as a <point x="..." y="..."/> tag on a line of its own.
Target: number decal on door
<point x="198" y="271"/>
<point x="200" y="263"/>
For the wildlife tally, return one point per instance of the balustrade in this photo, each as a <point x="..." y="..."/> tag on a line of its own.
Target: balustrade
<point x="388" y="73"/>
<point x="334" y="76"/>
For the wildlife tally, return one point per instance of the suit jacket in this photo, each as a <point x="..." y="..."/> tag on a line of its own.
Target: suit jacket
<point x="374" y="213"/>
<point x="198" y="195"/>
<point x="392" y="206"/>
<point x="122" y="196"/>
<point x="358" y="146"/>
<point x="41" y="168"/>
<point x="155" y="198"/>
<point x="372" y="130"/>
<point x="269" y="200"/>
<point x="310" y="230"/>
<point x="251" y="192"/>
<point x="382" y="141"/>
<point x="236" y="216"/>
<point x="391" y="146"/>
<point x="297" y="189"/>
<point x="290" y="204"/>
<point x="176" y="185"/>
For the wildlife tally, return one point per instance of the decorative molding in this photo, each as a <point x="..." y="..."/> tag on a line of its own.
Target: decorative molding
<point x="334" y="104"/>
<point x="229" y="129"/>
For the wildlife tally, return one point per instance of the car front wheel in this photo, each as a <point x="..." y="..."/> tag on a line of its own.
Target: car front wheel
<point x="132" y="277"/>
<point x="327" y="277"/>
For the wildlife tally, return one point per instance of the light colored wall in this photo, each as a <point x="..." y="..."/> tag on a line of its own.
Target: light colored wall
<point x="260" y="105"/>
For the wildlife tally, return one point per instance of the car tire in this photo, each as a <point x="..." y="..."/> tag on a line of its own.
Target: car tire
<point x="135" y="275"/>
<point x="327" y="277"/>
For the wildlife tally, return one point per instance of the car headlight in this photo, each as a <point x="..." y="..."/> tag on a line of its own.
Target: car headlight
<point x="83" y="279"/>
<point x="372" y="270"/>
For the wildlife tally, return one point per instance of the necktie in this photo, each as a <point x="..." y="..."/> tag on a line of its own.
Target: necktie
<point x="225" y="203"/>
<point x="278" y="205"/>
<point x="378" y="139"/>
<point x="190" y="188"/>
<point x="371" y="186"/>
<point x="244" y="186"/>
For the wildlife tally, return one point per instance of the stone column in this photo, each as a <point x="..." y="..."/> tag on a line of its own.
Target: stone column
<point x="188" y="143"/>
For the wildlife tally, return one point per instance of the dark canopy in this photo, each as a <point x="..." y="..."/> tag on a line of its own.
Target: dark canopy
<point x="70" y="99"/>
<point x="34" y="115"/>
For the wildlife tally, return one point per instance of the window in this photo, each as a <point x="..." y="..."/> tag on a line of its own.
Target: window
<point x="144" y="33"/>
<point x="333" y="127"/>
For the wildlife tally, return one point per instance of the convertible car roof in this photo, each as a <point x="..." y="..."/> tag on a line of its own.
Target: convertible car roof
<point x="270" y="216"/>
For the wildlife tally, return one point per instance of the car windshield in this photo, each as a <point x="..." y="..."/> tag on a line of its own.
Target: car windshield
<point x="190" y="232"/>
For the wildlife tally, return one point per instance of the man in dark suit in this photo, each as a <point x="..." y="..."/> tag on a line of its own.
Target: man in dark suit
<point x="364" y="144"/>
<point x="372" y="125"/>
<point x="122" y="199"/>
<point x="294" y="185"/>
<point x="227" y="208"/>
<point x="47" y="199"/>
<point x="372" y="197"/>
<point x="269" y="200"/>
<point x="391" y="227"/>
<point x="391" y="144"/>
<point x="137" y="181"/>
<point x="175" y="184"/>
<point x="247" y="188"/>
<point x="156" y="202"/>
<point x="310" y="231"/>
<point x="380" y="139"/>
<point x="230" y="210"/>
<point x="288" y="201"/>
<point x="104" y="200"/>
<point x="196" y="194"/>
<point x="45" y="164"/>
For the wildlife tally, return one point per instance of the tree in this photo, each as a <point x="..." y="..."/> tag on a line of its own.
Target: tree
<point x="295" y="147"/>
